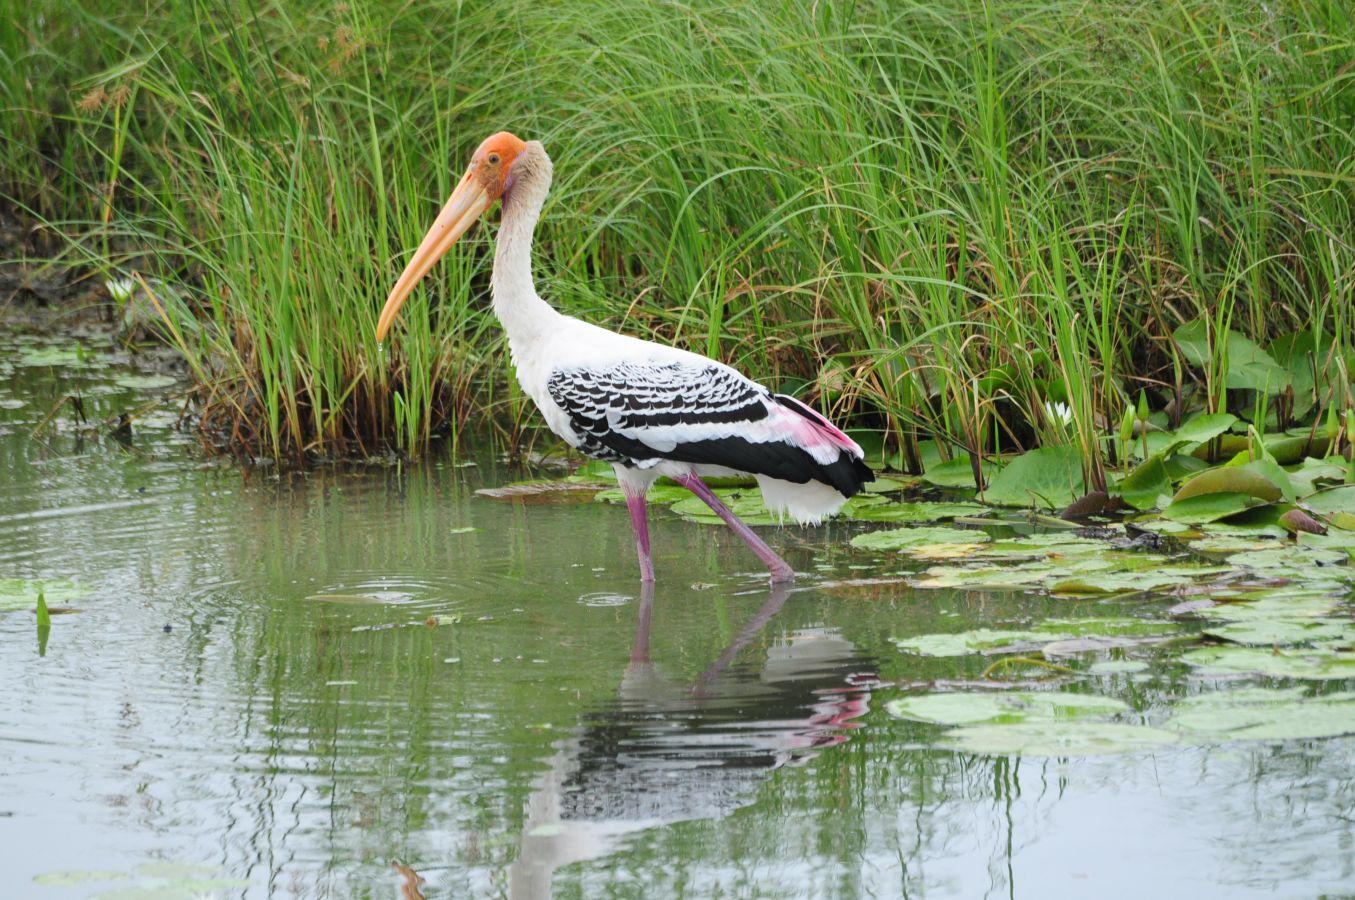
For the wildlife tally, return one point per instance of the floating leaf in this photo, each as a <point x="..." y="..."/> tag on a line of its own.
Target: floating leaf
<point x="986" y="640"/>
<point x="965" y="642"/>
<point x="1334" y="539"/>
<point x="1231" y="480"/>
<point x="1205" y="508"/>
<point x="744" y="503"/>
<point x="1332" y="501"/>
<point x="659" y="494"/>
<point x="945" y="551"/>
<point x="1264" y="715"/>
<point x="145" y="382"/>
<point x="901" y="538"/>
<point x="915" y="512"/>
<point x="1231" y="543"/>
<point x="1126" y="582"/>
<point x="1277" y="603"/>
<point x="1058" y="739"/>
<point x="67" y="357"/>
<point x="1314" y="663"/>
<point x="1049" y="478"/>
<point x="1260" y="521"/>
<point x="1267" y="632"/>
<point x="1292" y="559"/>
<point x="1118" y="667"/>
<point x="1075" y="646"/>
<point x="1035" y="546"/>
<point x="956" y="708"/>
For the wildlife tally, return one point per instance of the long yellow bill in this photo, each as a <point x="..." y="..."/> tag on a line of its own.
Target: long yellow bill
<point x="467" y="203"/>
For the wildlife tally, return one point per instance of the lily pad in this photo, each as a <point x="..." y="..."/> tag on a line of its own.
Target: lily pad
<point x="1289" y="560"/>
<point x="145" y="382"/>
<point x="1231" y="480"/>
<point x="1122" y="582"/>
<point x="903" y="538"/>
<point x="1231" y="543"/>
<point x="1049" y="478"/>
<point x="915" y="512"/>
<point x="1040" y="546"/>
<point x="944" y="551"/>
<point x="1118" y="667"/>
<point x="659" y="494"/>
<point x="986" y="640"/>
<point x="66" y="357"/>
<point x="1264" y="715"/>
<point x="1277" y="604"/>
<point x="1333" y="500"/>
<point x="1059" y="739"/>
<point x="1266" y="632"/>
<point x="1203" y="508"/>
<point x="1314" y="663"/>
<point x="1337" y="540"/>
<point x="955" y="708"/>
<point x="745" y="503"/>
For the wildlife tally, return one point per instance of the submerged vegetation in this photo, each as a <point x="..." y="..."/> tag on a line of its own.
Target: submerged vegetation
<point x="970" y="230"/>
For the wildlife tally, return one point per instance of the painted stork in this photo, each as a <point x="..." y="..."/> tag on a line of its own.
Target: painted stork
<point x="648" y="409"/>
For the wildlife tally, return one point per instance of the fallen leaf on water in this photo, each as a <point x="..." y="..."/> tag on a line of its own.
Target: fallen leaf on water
<point x="409" y="881"/>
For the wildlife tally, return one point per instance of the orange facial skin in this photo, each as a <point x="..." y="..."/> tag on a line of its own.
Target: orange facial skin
<point x="489" y="174"/>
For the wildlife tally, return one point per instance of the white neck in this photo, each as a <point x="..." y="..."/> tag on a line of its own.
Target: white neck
<point x="525" y="316"/>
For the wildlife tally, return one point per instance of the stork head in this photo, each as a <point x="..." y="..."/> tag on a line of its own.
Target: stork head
<point x="489" y="175"/>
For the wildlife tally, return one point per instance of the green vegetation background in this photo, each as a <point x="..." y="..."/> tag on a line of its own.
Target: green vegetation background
<point x="930" y="218"/>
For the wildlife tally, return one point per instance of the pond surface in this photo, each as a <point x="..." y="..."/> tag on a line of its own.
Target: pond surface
<point x="278" y="685"/>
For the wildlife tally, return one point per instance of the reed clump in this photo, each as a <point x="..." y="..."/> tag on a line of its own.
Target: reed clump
<point x="938" y="220"/>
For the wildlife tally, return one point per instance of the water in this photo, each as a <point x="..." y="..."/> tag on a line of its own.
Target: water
<point x="251" y="701"/>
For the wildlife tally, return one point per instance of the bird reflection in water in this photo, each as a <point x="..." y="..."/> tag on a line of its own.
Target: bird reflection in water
<point x="667" y="752"/>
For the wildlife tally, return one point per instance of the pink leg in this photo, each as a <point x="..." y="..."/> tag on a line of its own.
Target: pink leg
<point x="780" y="569"/>
<point x="639" y="650"/>
<point x="640" y="523"/>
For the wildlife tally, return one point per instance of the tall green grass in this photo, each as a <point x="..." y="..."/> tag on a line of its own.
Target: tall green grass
<point x="931" y="218"/>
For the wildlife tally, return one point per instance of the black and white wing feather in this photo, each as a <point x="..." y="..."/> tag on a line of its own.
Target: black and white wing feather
<point x="704" y="413"/>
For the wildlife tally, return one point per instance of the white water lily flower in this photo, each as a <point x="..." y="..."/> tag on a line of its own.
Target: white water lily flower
<point x="1059" y="412"/>
<point x="120" y="289"/>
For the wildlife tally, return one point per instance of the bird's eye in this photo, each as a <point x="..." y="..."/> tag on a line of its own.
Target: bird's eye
<point x="493" y="159"/>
